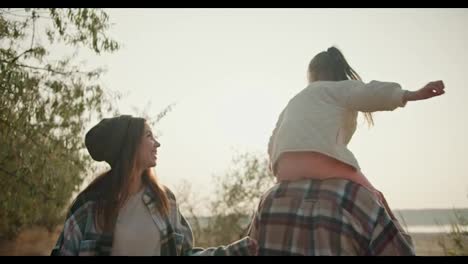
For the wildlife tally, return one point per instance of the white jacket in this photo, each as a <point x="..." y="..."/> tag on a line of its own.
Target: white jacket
<point x="322" y="117"/>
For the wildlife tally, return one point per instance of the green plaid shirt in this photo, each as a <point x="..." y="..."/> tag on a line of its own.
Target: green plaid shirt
<point x="80" y="236"/>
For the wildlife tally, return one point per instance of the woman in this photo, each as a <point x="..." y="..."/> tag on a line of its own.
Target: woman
<point x="322" y="204"/>
<point x="126" y="210"/>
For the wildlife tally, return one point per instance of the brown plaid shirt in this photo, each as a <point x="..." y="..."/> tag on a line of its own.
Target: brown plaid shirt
<point x="329" y="217"/>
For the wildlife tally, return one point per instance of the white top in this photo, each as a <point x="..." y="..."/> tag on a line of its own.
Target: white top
<point x="136" y="234"/>
<point x="322" y="117"/>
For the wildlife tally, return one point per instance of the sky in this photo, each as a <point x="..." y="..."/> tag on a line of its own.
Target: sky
<point x="230" y="72"/>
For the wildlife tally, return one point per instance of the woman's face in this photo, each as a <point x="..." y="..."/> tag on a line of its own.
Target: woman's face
<point x="147" y="151"/>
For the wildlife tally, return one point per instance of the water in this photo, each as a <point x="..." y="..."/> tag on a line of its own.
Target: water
<point x="432" y="228"/>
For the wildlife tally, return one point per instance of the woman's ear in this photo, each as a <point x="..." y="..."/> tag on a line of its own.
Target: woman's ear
<point x="310" y="76"/>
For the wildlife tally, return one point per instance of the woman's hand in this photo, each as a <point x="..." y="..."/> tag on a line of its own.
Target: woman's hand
<point x="431" y="89"/>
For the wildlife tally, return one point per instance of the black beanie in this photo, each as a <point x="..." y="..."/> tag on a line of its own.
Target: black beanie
<point x="104" y="140"/>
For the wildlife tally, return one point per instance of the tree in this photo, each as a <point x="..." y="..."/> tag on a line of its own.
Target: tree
<point x="45" y="105"/>
<point x="237" y="195"/>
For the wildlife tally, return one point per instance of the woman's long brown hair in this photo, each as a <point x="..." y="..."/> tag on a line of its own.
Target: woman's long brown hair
<point x="110" y="189"/>
<point x="331" y="65"/>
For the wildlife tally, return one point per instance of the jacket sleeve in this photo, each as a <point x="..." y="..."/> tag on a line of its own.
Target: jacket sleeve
<point x="369" y="97"/>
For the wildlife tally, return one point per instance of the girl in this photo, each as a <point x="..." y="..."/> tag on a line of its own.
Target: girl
<point x="126" y="210"/>
<point x="322" y="204"/>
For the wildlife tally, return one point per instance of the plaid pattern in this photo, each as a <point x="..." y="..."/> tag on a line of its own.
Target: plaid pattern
<point x="329" y="217"/>
<point x="80" y="236"/>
